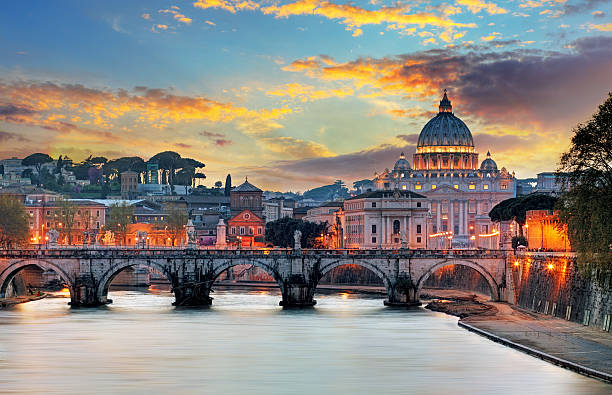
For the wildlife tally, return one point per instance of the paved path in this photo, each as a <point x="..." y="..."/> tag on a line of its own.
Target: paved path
<point x="586" y="346"/>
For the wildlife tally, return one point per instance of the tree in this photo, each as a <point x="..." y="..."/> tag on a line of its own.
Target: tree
<point x="280" y="232"/>
<point x="66" y="217"/>
<point x="218" y="184"/>
<point x="36" y="160"/>
<point x="175" y="220"/>
<point x="585" y="207"/>
<point x="14" y="230"/>
<point x="228" y="185"/>
<point x="516" y="208"/>
<point x="119" y="216"/>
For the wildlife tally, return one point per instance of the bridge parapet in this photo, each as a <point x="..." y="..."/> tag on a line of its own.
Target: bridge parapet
<point x="192" y="272"/>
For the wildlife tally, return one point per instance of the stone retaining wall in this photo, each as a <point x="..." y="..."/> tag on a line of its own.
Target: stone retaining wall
<point x="555" y="286"/>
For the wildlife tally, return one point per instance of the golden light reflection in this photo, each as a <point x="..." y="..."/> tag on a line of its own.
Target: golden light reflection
<point x="344" y="295"/>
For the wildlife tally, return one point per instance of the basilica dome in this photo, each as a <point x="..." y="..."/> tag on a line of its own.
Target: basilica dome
<point x="488" y="164"/>
<point x="402" y="163"/>
<point x="445" y="129"/>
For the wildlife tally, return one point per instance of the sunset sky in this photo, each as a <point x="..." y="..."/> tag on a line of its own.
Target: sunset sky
<point x="296" y="94"/>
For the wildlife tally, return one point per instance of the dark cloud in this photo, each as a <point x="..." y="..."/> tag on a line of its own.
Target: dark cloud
<point x="217" y="138"/>
<point x="5" y="136"/>
<point x="9" y="110"/>
<point x="551" y="90"/>
<point x="520" y="86"/>
<point x="183" y="145"/>
<point x="572" y="8"/>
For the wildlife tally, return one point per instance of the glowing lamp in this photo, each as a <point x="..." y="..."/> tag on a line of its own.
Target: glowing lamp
<point x="551" y="266"/>
<point x="516" y="263"/>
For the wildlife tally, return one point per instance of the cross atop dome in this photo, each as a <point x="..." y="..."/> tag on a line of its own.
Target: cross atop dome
<point x="445" y="104"/>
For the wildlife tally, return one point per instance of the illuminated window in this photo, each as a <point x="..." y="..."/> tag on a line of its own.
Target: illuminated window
<point x="472" y="186"/>
<point x="404" y="187"/>
<point x="456" y="186"/>
<point x="485" y="186"/>
<point x="433" y="186"/>
<point x="417" y="187"/>
<point x="504" y="186"/>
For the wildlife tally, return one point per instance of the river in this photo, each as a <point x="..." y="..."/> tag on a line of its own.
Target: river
<point x="246" y="344"/>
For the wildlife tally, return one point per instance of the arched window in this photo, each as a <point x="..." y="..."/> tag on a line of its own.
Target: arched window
<point x="396" y="227"/>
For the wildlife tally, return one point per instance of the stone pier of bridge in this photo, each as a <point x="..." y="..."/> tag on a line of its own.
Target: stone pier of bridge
<point x="88" y="273"/>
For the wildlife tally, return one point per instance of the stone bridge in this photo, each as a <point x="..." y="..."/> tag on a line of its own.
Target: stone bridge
<point x="88" y="272"/>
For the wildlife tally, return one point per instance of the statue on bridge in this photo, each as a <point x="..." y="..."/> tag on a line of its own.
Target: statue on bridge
<point x="404" y="244"/>
<point x="191" y="234"/>
<point x="108" y="238"/>
<point x="297" y="240"/>
<point x="52" y="236"/>
<point x="141" y="238"/>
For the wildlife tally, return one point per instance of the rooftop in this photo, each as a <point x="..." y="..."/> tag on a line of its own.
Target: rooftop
<point x="388" y="193"/>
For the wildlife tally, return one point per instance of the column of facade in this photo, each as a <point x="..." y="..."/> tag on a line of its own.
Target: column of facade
<point x="404" y="229"/>
<point x="410" y="231"/>
<point x="438" y="216"/>
<point x="388" y="230"/>
<point x="451" y="216"/>
<point x="381" y="231"/>
<point x="461" y="215"/>
<point x="465" y="217"/>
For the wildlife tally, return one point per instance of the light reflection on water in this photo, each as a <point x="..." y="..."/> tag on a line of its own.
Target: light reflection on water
<point x="246" y="343"/>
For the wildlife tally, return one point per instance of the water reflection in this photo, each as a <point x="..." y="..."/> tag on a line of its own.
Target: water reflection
<point x="246" y="343"/>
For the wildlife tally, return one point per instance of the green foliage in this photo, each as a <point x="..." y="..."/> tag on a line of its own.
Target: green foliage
<point x="331" y="192"/>
<point x="516" y="208"/>
<point x="280" y="232"/>
<point x="14" y="230"/>
<point x="66" y="211"/>
<point x="36" y="160"/>
<point x="519" y="241"/>
<point x="171" y="162"/>
<point x="585" y="208"/>
<point x="119" y="216"/>
<point x="228" y="185"/>
<point x="175" y="219"/>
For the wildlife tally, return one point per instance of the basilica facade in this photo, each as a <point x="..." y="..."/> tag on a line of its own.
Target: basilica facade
<point x="460" y="191"/>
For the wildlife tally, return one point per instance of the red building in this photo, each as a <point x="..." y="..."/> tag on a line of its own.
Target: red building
<point x="246" y="229"/>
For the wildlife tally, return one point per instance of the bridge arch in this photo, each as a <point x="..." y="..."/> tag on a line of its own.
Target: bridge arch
<point x="108" y="277"/>
<point x="462" y="262"/>
<point x="329" y="266"/>
<point x="270" y="269"/>
<point x="10" y="271"/>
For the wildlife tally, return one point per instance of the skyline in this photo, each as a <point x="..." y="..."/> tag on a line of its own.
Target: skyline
<point x="300" y="93"/>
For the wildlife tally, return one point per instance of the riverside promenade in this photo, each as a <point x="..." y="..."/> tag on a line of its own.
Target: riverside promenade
<point x="584" y="349"/>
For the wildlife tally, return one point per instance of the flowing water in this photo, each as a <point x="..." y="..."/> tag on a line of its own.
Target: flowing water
<point x="246" y="344"/>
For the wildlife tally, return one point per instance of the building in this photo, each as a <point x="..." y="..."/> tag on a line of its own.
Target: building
<point x="446" y="170"/>
<point x="246" y="196"/>
<point x="277" y="208"/>
<point x="129" y="184"/>
<point x="246" y="229"/>
<point x="152" y="173"/>
<point x="327" y="212"/>
<point x="385" y="219"/>
<point x="543" y="232"/>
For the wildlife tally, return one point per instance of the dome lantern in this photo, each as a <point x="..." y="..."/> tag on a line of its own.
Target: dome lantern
<point x="445" y="104"/>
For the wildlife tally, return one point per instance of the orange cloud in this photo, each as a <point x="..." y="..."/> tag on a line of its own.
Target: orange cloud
<point x="601" y="27"/>
<point x="307" y="93"/>
<point x="354" y="17"/>
<point x="48" y="104"/>
<point x="294" y="147"/>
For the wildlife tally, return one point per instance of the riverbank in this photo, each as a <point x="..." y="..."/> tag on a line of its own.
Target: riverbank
<point x="583" y="349"/>
<point x="8" y="302"/>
